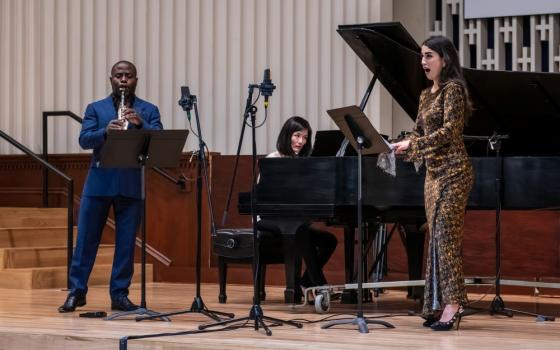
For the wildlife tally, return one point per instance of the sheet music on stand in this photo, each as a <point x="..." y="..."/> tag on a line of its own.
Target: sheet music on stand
<point x="376" y="143"/>
<point x="162" y="147"/>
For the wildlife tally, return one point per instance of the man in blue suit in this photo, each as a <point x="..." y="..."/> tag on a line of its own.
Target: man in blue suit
<point x="110" y="186"/>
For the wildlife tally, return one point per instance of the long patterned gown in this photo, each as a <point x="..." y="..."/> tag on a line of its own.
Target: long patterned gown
<point x="437" y="140"/>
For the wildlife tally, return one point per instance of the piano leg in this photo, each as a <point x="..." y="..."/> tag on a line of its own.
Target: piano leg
<point x="222" y="275"/>
<point x="415" y="235"/>
<point x="377" y="234"/>
<point x="292" y="268"/>
<point x="349" y="296"/>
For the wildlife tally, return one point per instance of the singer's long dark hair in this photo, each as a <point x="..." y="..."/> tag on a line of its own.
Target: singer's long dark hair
<point x="451" y="71"/>
<point x="284" y="142"/>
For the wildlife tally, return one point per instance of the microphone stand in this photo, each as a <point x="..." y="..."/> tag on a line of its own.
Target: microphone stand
<point x="198" y="304"/>
<point x="256" y="313"/>
<point x="497" y="306"/>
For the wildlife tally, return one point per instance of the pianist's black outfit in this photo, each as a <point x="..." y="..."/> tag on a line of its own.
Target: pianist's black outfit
<point x="317" y="247"/>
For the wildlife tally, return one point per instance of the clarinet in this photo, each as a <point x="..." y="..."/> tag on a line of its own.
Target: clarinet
<point x="122" y="108"/>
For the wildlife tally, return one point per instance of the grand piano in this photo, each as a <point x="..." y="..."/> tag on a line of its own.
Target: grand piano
<point x="511" y="136"/>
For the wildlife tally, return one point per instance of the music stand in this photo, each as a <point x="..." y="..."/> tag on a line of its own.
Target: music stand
<point x="138" y="148"/>
<point x="365" y="140"/>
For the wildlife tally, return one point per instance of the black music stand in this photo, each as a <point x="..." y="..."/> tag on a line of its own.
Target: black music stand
<point x="138" y="148"/>
<point x="366" y="140"/>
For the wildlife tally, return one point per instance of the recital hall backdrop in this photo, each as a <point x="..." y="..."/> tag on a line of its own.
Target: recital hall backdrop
<point x="56" y="55"/>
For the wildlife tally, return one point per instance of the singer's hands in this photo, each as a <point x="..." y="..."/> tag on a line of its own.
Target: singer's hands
<point x="401" y="146"/>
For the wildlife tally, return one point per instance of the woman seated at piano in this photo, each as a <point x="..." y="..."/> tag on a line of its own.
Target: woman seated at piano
<point x="317" y="245"/>
<point x="437" y="141"/>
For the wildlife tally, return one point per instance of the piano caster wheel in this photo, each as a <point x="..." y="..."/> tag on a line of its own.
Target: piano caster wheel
<point x="322" y="302"/>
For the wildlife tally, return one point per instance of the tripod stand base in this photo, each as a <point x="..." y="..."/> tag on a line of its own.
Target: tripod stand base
<point x="256" y="315"/>
<point x="497" y="307"/>
<point x="139" y="311"/>
<point x="361" y="322"/>
<point x="196" y="307"/>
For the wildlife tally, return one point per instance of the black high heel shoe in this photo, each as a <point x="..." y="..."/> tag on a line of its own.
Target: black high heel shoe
<point x="430" y="320"/>
<point x="445" y="326"/>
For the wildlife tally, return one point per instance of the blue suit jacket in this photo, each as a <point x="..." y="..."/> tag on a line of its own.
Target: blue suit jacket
<point x="111" y="181"/>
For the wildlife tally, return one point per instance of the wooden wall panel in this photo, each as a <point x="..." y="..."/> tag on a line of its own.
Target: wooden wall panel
<point x="171" y="211"/>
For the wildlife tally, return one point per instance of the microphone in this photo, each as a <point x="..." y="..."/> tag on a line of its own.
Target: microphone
<point x="266" y="87"/>
<point x="186" y="100"/>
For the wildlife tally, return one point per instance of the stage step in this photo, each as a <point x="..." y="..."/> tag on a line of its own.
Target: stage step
<point x="11" y="258"/>
<point x="12" y="217"/>
<point x="55" y="277"/>
<point x="42" y="236"/>
<point x="33" y="250"/>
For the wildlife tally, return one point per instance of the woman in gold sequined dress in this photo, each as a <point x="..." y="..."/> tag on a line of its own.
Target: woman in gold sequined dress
<point x="437" y="141"/>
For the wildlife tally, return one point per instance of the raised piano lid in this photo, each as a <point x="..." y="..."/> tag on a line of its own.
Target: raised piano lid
<point x="389" y="51"/>
<point x="523" y="105"/>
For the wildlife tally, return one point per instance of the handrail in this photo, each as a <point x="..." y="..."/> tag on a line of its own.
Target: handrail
<point x="70" y="205"/>
<point x="181" y="182"/>
<point x="46" y="115"/>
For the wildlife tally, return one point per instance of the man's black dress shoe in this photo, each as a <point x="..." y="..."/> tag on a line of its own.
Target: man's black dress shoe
<point x="123" y="304"/>
<point x="72" y="302"/>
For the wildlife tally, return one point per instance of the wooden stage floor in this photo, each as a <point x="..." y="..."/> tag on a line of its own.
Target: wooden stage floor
<point x="29" y="320"/>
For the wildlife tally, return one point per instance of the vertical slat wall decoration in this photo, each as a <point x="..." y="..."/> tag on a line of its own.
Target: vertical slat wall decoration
<point x="505" y="30"/>
<point x="56" y="55"/>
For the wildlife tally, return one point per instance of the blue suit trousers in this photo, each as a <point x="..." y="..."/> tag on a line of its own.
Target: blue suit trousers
<point x="91" y="221"/>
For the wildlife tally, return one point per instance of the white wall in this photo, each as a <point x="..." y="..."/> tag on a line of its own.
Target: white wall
<point x="412" y="13"/>
<point x="56" y="55"/>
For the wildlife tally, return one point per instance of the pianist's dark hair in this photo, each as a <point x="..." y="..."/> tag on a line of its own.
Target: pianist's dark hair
<point x="452" y="71"/>
<point x="284" y="143"/>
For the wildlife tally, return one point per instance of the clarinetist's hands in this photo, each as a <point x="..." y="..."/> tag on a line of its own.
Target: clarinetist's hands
<point x="131" y="115"/>
<point x="115" y="124"/>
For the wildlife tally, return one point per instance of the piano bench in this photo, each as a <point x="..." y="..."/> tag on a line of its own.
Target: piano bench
<point x="235" y="246"/>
